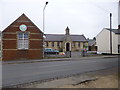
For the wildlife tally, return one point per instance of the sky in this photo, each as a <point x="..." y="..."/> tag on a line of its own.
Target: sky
<point x="86" y="17"/>
<point x="119" y="13"/>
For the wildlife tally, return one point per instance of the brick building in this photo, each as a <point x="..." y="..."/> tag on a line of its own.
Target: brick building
<point x="22" y="40"/>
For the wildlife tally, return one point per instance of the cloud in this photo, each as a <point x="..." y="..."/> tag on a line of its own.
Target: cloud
<point x="82" y="16"/>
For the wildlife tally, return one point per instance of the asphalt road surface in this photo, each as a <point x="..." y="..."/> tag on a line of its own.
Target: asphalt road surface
<point x="13" y="74"/>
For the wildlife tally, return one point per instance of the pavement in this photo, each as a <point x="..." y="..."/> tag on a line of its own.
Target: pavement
<point x="58" y="59"/>
<point x="80" y="80"/>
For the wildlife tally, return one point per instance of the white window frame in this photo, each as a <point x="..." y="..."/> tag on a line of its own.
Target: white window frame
<point x="21" y="43"/>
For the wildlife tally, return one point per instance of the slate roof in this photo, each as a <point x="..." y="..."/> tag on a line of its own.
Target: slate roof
<point x="116" y="31"/>
<point x="91" y="42"/>
<point x="54" y="37"/>
<point x="60" y="37"/>
<point x="78" y="38"/>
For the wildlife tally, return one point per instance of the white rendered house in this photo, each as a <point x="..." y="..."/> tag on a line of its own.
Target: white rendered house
<point x="103" y="41"/>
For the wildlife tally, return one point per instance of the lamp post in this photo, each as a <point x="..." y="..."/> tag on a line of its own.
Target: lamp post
<point x="110" y="33"/>
<point x="44" y="25"/>
<point x="44" y="17"/>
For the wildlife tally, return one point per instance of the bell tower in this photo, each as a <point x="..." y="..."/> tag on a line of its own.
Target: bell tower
<point x="67" y="30"/>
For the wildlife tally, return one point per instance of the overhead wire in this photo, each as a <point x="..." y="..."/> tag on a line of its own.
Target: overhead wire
<point x="95" y="4"/>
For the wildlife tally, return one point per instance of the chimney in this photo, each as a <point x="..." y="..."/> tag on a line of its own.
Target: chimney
<point x="67" y="30"/>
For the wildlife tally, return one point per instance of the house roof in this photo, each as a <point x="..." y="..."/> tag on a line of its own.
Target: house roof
<point x="91" y="42"/>
<point x="60" y="37"/>
<point x="78" y="38"/>
<point x="54" y="37"/>
<point x="116" y="31"/>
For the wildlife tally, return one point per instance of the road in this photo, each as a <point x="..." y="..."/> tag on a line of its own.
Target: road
<point x="13" y="74"/>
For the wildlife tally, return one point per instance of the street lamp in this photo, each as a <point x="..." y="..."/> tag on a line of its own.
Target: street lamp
<point x="44" y="17"/>
<point x="44" y="26"/>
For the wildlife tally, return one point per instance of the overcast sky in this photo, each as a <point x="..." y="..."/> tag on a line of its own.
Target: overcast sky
<point x="86" y="17"/>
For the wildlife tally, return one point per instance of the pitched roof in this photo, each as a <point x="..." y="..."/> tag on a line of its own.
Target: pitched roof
<point x="54" y="37"/>
<point x="116" y="31"/>
<point x="23" y="19"/>
<point x="91" y="42"/>
<point x="60" y="37"/>
<point x="78" y="38"/>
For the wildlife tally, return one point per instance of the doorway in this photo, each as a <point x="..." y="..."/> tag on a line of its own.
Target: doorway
<point x="118" y="48"/>
<point x="67" y="46"/>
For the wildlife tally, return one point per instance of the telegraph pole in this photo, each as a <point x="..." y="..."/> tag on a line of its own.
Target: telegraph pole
<point x="110" y="23"/>
<point x="110" y="33"/>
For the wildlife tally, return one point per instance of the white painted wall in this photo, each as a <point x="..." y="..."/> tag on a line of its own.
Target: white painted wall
<point x="103" y="42"/>
<point x="115" y="43"/>
<point x="119" y="39"/>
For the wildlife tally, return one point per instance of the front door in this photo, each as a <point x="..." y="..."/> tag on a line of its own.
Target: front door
<point x="67" y="46"/>
<point x="118" y="48"/>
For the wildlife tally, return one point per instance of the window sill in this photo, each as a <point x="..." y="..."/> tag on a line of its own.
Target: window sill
<point x="23" y="49"/>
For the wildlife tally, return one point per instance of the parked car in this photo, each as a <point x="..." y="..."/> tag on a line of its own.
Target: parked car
<point x="50" y="51"/>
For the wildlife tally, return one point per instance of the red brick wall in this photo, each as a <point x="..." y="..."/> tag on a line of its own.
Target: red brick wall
<point x="10" y="51"/>
<point x="9" y="44"/>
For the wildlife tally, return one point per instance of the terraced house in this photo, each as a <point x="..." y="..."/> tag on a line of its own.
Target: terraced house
<point x="66" y="42"/>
